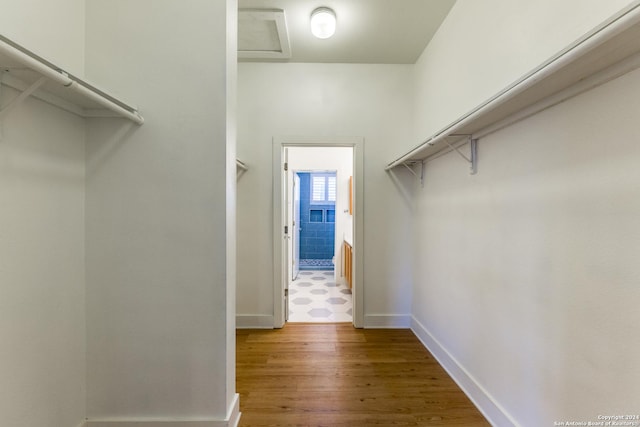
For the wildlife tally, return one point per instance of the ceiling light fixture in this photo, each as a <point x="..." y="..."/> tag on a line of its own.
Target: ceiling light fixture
<point x="323" y="22"/>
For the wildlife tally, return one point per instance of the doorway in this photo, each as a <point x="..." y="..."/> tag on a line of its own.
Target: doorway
<point x="310" y="236"/>
<point x="318" y="290"/>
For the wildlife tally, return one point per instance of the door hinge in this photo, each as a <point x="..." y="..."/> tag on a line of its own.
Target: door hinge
<point x="286" y="166"/>
<point x="286" y="229"/>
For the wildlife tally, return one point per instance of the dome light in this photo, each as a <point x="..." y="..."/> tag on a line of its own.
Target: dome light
<point x="323" y="22"/>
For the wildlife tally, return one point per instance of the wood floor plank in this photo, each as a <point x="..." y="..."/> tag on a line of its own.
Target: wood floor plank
<point x="335" y="375"/>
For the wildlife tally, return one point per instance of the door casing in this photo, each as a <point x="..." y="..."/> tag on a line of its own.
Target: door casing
<point x="280" y="255"/>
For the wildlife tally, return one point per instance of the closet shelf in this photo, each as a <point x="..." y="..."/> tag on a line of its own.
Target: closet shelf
<point x="607" y="52"/>
<point x="33" y="75"/>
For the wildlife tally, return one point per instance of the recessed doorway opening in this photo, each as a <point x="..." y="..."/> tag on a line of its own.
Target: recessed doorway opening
<point x="320" y="221"/>
<point x="316" y="262"/>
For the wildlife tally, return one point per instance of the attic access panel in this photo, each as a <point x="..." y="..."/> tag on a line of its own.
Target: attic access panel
<point x="263" y="34"/>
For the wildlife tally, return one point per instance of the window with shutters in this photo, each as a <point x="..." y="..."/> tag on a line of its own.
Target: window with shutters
<point x="323" y="188"/>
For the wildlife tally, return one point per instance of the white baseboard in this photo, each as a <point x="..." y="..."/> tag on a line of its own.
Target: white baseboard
<point x="233" y="416"/>
<point x="493" y="412"/>
<point x="232" y="420"/>
<point x="156" y="423"/>
<point x="254" y="321"/>
<point x="387" y="321"/>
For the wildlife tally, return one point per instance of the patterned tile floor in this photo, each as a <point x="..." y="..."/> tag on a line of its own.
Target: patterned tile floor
<point x="315" y="297"/>
<point x="316" y="264"/>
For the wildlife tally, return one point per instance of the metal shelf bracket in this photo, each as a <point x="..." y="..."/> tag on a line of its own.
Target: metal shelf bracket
<point x="409" y="165"/>
<point x="20" y="98"/>
<point x="241" y="168"/>
<point x="473" y="146"/>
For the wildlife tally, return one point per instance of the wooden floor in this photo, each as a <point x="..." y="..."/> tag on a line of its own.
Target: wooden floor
<point x="335" y="375"/>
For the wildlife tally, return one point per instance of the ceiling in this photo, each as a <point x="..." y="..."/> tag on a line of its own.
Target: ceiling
<point x="368" y="31"/>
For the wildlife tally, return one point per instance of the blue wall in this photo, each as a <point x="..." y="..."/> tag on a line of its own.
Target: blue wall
<point x="316" y="238"/>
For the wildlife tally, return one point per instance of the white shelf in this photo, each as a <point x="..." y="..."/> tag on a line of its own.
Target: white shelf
<point x="607" y="52"/>
<point x="23" y="70"/>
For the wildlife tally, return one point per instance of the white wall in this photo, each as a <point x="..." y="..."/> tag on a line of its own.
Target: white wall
<point x="526" y="273"/>
<point x="54" y="30"/>
<point x="42" y="319"/>
<point x="315" y="100"/>
<point x="339" y="159"/>
<point x="160" y="208"/>
<point x="529" y="269"/>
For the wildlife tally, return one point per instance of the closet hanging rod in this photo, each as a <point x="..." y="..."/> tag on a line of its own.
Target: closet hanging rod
<point x="33" y="61"/>
<point x="616" y="25"/>
<point x="56" y="74"/>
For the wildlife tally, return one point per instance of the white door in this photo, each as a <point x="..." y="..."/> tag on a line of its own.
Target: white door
<point x="296" y="227"/>
<point x="287" y="234"/>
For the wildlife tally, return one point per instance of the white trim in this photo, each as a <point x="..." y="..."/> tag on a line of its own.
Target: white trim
<point x="143" y="422"/>
<point x="232" y="420"/>
<point x="387" y="321"/>
<point x="279" y="248"/>
<point x="254" y="321"/>
<point x="234" y="414"/>
<point x="490" y="408"/>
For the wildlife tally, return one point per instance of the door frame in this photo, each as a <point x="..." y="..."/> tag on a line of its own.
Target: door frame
<point x="280" y="269"/>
